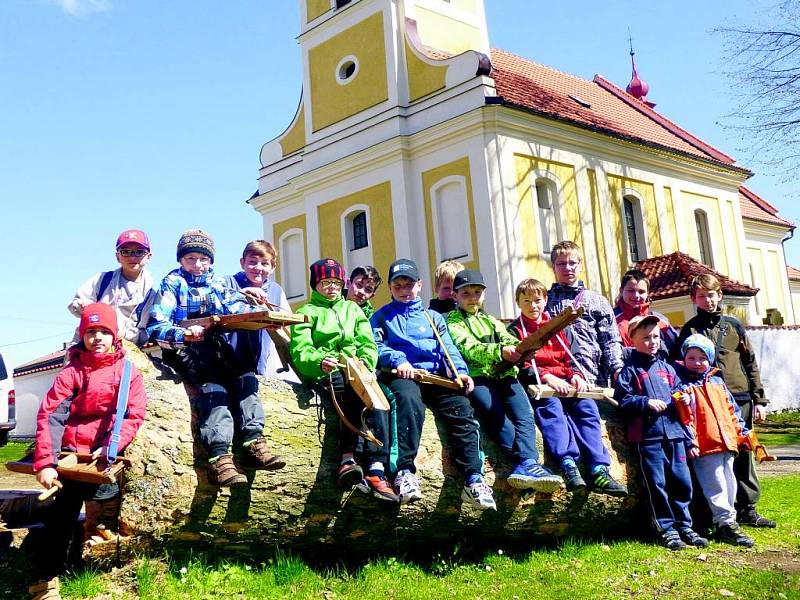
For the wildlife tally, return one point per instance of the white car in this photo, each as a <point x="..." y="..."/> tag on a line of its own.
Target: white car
<point x="8" y="405"/>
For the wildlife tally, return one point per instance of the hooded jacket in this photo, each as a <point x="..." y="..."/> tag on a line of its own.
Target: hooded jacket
<point x="78" y="412"/>
<point x="335" y="327"/>
<point x="403" y="334"/>
<point x="735" y="358"/>
<point x="712" y="416"/>
<point x="645" y="377"/>
<point x="480" y="338"/>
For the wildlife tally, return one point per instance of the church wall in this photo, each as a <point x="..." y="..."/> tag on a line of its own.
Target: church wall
<point x="766" y="263"/>
<point x="333" y="100"/>
<point x="376" y="201"/>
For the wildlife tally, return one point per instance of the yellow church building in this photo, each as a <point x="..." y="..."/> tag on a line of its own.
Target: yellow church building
<point x="414" y="138"/>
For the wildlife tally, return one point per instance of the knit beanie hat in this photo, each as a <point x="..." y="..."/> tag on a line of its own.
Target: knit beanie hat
<point x="196" y="240"/>
<point x="326" y="268"/>
<point x="99" y="315"/>
<point x="697" y="340"/>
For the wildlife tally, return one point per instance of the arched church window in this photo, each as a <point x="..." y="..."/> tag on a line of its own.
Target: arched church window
<point x="703" y="239"/>
<point x="451" y="223"/>
<point x="355" y="223"/>
<point x="633" y="226"/>
<point x="293" y="263"/>
<point x="546" y="202"/>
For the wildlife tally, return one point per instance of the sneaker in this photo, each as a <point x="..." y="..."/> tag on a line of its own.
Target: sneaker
<point x="691" y="537"/>
<point x="572" y="478"/>
<point x="750" y="517"/>
<point x="672" y="540"/>
<point x="378" y="487"/>
<point x="604" y="483"/>
<point x="47" y="589"/>
<point x="733" y="534"/>
<point x="530" y="475"/>
<point x="224" y="472"/>
<point x="256" y="456"/>
<point x="406" y="486"/>
<point x="479" y="494"/>
<point x="349" y="474"/>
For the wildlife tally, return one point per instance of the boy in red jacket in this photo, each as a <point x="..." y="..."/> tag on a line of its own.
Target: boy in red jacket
<point x="570" y="426"/>
<point x="77" y="415"/>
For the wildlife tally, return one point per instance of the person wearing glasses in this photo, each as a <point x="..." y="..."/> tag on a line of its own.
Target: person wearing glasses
<point x="206" y="360"/>
<point x="338" y="327"/>
<point x="129" y="289"/>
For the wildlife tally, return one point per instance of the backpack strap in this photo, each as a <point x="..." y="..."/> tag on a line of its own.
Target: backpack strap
<point x="122" y="408"/>
<point x="104" y="281"/>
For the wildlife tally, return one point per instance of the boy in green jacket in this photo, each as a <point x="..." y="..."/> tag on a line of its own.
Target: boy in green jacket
<point x="498" y="399"/>
<point x="337" y="326"/>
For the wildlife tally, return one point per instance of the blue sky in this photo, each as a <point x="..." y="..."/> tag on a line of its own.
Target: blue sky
<point x="151" y="114"/>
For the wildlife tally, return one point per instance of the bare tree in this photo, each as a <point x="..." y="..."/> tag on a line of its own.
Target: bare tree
<point x="764" y="66"/>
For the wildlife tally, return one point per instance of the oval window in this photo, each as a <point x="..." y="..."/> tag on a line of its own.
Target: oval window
<point x="346" y="69"/>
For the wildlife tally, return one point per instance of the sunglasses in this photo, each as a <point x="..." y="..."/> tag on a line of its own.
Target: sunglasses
<point x="138" y="253"/>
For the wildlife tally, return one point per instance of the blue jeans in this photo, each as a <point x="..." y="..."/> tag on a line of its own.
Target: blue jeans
<point x="503" y="409"/>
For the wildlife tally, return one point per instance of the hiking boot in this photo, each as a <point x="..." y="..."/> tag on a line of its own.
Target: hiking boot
<point x="479" y="494"/>
<point x="378" y="487"/>
<point x="47" y="589"/>
<point x="224" y="473"/>
<point x="256" y="456"/>
<point x="750" y="517"/>
<point x="672" y="540"/>
<point x="691" y="537"/>
<point x="406" y="486"/>
<point x="572" y="478"/>
<point x="733" y="534"/>
<point x="349" y="474"/>
<point x="604" y="483"/>
<point x="530" y="475"/>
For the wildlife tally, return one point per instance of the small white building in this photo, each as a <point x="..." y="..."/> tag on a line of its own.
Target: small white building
<point x="32" y="381"/>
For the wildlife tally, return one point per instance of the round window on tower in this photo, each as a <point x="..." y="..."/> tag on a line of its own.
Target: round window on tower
<point x="346" y="70"/>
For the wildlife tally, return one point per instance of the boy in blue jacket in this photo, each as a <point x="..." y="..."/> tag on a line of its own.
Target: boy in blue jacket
<point x="644" y="391"/>
<point x="406" y="341"/>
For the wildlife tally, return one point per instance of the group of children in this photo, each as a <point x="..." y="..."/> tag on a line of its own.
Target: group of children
<point x="674" y="418"/>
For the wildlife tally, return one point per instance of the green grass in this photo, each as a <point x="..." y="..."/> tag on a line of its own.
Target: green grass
<point x="12" y="451"/>
<point x="781" y="429"/>
<point x="573" y="570"/>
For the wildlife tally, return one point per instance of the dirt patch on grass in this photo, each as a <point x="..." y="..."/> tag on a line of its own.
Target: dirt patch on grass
<point x="768" y="559"/>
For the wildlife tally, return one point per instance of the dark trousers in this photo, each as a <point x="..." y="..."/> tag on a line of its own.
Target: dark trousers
<point x="453" y="409"/>
<point x="570" y="428"/>
<point x="59" y="525"/>
<point x="748" y="489"/>
<point x="222" y="410"/>
<point x="504" y="411"/>
<point x="228" y="401"/>
<point x="353" y="408"/>
<point x="668" y="482"/>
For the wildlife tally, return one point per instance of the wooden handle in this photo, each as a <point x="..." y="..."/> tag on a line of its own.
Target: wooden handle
<point x="57" y="485"/>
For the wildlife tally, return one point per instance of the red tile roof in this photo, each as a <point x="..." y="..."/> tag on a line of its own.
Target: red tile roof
<point x="597" y="105"/>
<point x="756" y="208"/>
<point x="670" y="275"/>
<point x="793" y="273"/>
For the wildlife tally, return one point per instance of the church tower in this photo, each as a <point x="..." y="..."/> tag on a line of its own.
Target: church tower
<point x="383" y="82"/>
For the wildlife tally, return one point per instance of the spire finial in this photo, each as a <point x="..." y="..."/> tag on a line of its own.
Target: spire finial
<point x="636" y="88"/>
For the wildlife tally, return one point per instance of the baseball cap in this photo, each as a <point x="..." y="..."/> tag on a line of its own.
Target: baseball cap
<point x="640" y="321"/>
<point x="468" y="277"/>
<point x="133" y="236"/>
<point x="403" y="267"/>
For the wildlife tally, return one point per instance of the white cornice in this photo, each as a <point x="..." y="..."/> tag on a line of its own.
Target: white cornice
<point x="513" y="122"/>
